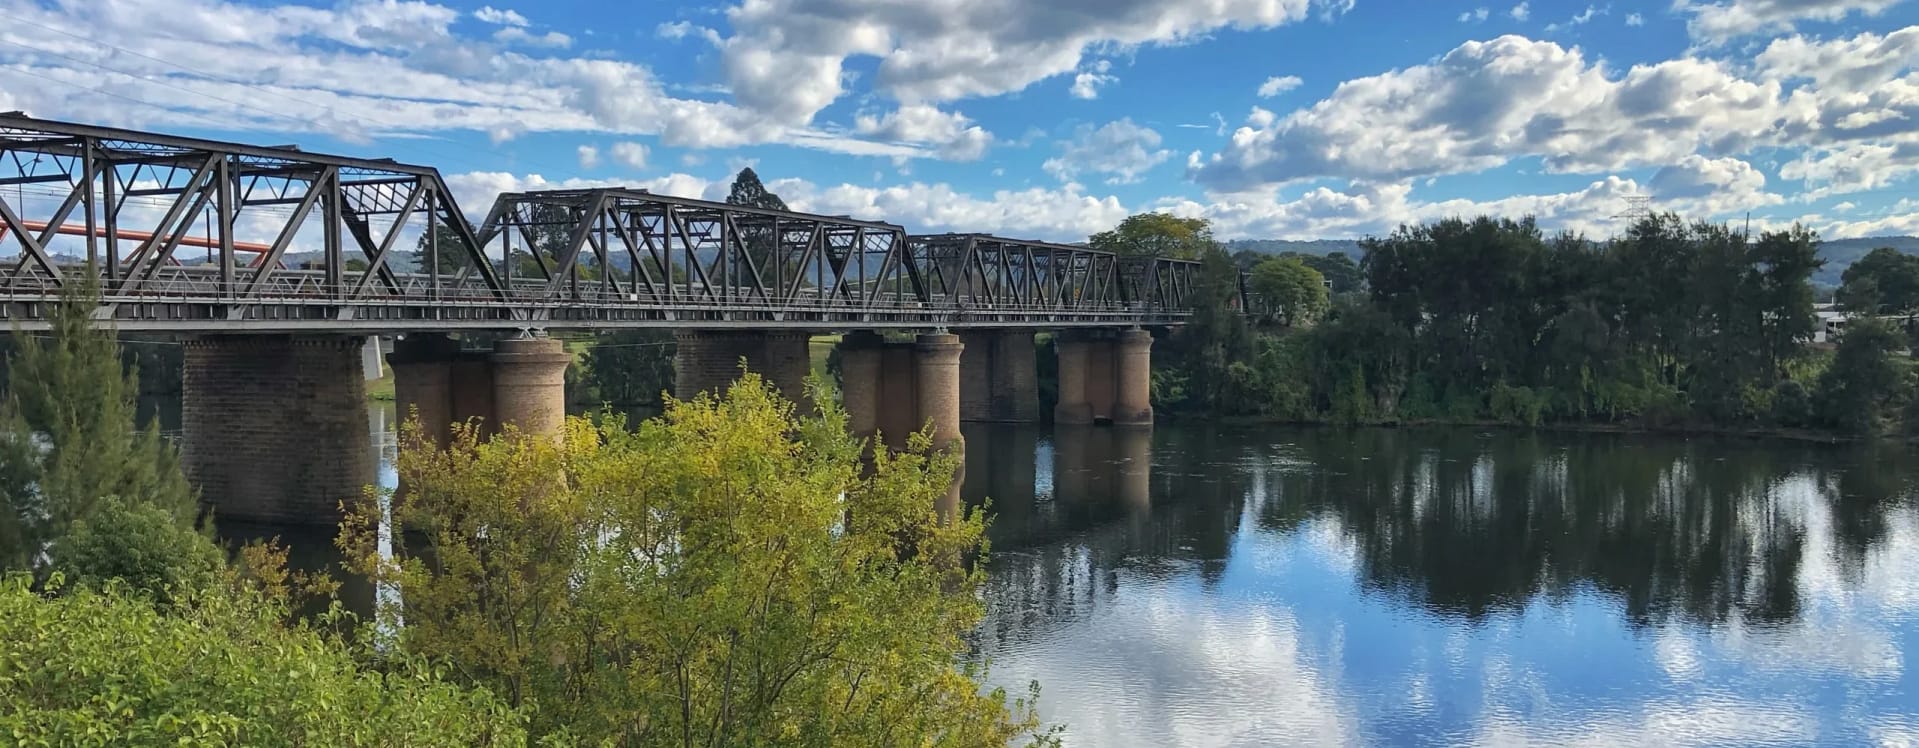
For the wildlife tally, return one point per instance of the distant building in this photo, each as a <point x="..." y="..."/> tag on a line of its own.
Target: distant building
<point x="1831" y="323"/>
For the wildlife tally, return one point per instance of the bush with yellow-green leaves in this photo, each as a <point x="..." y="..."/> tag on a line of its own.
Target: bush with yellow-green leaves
<point x="106" y="667"/>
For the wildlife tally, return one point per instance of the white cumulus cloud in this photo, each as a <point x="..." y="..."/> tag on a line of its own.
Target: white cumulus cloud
<point x="1486" y="103"/>
<point x="1277" y="85"/>
<point x="954" y="134"/>
<point x="1717" y="22"/>
<point x="629" y="154"/>
<point x="787" y="58"/>
<point x="499" y="17"/>
<point x="1087" y="83"/>
<point x="1122" y="150"/>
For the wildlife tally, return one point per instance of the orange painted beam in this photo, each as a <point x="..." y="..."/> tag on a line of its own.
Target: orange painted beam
<point x="70" y="229"/>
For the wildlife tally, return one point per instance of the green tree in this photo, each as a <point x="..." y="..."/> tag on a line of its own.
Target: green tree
<point x="1862" y="386"/>
<point x="631" y="367"/>
<point x="757" y="236"/>
<point x="1289" y="290"/>
<point x="144" y="546"/>
<point x="1198" y="358"/>
<point x="1885" y="281"/>
<point x="748" y="191"/>
<point x="103" y="667"/>
<point x="1783" y="263"/>
<point x="1340" y="271"/>
<point x="1158" y="235"/>
<point x="723" y="575"/>
<point x="69" y="443"/>
<point x="442" y="249"/>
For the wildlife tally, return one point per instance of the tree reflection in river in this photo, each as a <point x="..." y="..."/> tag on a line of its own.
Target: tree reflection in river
<point x="1194" y="585"/>
<point x="1463" y="522"/>
<point x="1451" y="586"/>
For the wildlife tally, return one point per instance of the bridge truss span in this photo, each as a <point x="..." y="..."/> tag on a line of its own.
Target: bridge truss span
<point x="194" y="235"/>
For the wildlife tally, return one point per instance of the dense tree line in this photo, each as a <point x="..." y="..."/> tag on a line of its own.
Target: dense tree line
<point x="1674" y="324"/>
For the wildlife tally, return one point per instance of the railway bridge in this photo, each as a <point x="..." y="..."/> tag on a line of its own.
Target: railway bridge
<point x="275" y="264"/>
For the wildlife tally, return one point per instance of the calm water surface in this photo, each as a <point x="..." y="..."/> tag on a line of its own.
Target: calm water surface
<point x="1203" y="586"/>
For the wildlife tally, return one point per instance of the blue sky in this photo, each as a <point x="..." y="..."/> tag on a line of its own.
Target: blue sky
<point x="1272" y="118"/>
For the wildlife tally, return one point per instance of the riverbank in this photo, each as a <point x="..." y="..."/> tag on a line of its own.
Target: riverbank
<point x="1803" y="435"/>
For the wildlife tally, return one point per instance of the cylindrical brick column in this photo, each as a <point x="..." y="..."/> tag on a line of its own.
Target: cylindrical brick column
<point x="899" y="416"/>
<point x="276" y="426"/>
<point x="860" y="382"/>
<point x="785" y="360"/>
<point x="422" y="366"/>
<point x="937" y="370"/>
<point x="977" y="395"/>
<point x="529" y="385"/>
<point x="1073" y="408"/>
<point x="1133" y="379"/>
<point x="1015" y="378"/>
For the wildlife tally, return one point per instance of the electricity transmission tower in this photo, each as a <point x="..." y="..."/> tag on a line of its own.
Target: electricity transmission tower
<point x="1638" y="208"/>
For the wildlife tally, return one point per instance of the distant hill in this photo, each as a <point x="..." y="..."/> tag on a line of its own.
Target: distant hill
<point x="1309" y="247"/>
<point x="1839" y="253"/>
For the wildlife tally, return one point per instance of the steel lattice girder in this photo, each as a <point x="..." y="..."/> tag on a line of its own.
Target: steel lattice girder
<point x="576" y="258"/>
<point x="645" y="247"/>
<point x="184" y="181"/>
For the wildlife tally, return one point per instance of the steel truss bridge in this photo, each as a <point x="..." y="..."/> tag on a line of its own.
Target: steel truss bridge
<point x="382" y="246"/>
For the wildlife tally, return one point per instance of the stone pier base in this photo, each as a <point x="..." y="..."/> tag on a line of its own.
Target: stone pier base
<point x="1105" y="377"/>
<point x="521" y="382"/>
<point x="896" y="389"/>
<point x="276" y="426"/>
<point x="709" y="361"/>
<point x="999" y="377"/>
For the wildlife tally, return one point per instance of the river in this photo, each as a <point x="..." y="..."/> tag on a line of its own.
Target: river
<point x="1239" y="586"/>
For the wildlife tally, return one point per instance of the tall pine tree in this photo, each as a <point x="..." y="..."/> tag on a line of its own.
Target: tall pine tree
<point x="748" y="191"/>
<point x="70" y="447"/>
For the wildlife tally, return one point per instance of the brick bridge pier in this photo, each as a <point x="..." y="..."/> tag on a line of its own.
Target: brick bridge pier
<point x="296" y="461"/>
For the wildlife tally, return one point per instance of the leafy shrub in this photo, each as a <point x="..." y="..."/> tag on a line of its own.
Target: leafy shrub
<point x="1518" y="405"/>
<point x="1791" y="404"/>
<point x="141" y="545"/>
<point x="725" y="574"/>
<point x="102" y="667"/>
